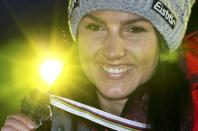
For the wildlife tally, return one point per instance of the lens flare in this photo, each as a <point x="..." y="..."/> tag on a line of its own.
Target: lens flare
<point x="50" y="70"/>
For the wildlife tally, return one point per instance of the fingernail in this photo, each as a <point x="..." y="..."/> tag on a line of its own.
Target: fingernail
<point x="32" y="125"/>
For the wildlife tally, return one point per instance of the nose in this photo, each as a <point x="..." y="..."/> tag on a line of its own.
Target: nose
<point x="114" y="47"/>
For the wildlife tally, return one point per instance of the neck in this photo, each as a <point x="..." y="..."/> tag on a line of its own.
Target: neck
<point x="113" y="106"/>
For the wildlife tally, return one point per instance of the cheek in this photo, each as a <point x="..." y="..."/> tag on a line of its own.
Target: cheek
<point x="88" y="47"/>
<point x="146" y="48"/>
<point x="146" y="53"/>
<point x="85" y="61"/>
<point x="85" y="57"/>
<point x="151" y="61"/>
<point x="86" y="52"/>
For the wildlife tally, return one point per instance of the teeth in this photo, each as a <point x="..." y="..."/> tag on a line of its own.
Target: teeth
<point x="116" y="70"/>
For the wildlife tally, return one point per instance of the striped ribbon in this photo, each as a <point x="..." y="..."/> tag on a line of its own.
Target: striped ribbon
<point x="95" y="115"/>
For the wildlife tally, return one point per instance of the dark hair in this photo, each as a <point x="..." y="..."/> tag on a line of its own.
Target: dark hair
<point x="170" y="107"/>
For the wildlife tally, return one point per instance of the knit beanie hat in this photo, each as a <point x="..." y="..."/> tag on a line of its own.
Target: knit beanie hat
<point x="169" y="17"/>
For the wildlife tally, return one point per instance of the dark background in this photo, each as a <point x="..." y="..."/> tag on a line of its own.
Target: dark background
<point x="21" y="23"/>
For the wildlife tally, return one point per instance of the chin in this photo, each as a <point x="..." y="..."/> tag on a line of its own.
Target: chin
<point x="114" y="95"/>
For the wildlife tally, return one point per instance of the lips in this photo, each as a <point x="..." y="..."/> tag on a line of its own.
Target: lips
<point x="116" y="71"/>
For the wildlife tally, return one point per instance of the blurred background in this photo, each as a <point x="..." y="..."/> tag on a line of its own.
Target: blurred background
<point x="30" y="32"/>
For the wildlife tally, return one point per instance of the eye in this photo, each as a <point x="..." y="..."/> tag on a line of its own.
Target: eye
<point x="135" y="29"/>
<point x="94" y="27"/>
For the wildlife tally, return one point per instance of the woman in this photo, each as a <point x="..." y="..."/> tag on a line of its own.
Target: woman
<point x="127" y="51"/>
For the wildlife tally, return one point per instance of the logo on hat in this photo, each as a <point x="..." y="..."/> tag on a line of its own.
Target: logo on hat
<point x="165" y="13"/>
<point x="72" y="5"/>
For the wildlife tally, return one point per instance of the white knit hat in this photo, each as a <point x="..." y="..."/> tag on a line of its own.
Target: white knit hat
<point x="169" y="17"/>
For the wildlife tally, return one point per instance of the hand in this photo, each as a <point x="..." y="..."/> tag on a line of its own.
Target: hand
<point x="18" y="122"/>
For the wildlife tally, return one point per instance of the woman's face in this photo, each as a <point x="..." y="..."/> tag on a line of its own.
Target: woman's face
<point x="118" y="51"/>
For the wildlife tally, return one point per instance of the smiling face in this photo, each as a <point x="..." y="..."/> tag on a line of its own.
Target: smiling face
<point x="118" y="51"/>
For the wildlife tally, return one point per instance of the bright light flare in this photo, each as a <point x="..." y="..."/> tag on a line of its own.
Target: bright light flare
<point x="50" y="70"/>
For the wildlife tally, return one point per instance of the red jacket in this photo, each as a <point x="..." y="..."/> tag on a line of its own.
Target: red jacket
<point x="191" y="57"/>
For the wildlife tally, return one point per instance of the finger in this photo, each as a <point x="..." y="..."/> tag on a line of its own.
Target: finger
<point x="16" y="124"/>
<point x="24" y="119"/>
<point x="7" y="128"/>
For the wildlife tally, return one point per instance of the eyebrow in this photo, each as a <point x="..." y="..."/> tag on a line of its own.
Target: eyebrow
<point x="133" y="21"/>
<point x="125" y="22"/>
<point x="95" y="18"/>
